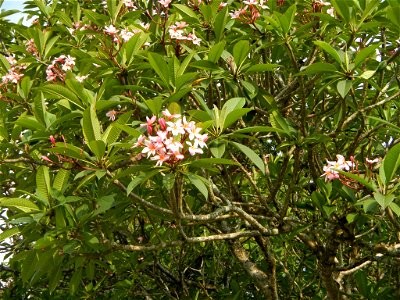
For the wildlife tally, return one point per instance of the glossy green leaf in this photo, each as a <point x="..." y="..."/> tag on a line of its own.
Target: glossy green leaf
<point x="8" y="232"/>
<point x="251" y="155"/>
<point x="215" y="52"/>
<point x="363" y="54"/>
<point x="160" y="66"/>
<point x="319" y="67"/>
<point x="217" y="148"/>
<point x="390" y="164"/>
<point x="240" y="52"/>
<point x="22" y="204"/>
<point x="330" y="50"/>
<point x="262" y="68"/>
<point x="343" y="87"/>
<point x="199" y="182"/>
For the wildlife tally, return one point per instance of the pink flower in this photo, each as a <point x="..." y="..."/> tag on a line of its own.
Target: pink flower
<point x="181" y="25"/>
<point x="195" y="40"/>
<point x="330" y="174"/>
<point x="110" y="30"/>
<point x="193" y="132"/>
<point x="160" y="157"/>
<point x="111" y="115"/>
<point x="151" y="148"/>
<point x="251" y="2"/>
<point x="149" y="124"/>
<point x="200" y="140"/>
<point x="193" y="149"/>
<point x="126" y="35"/>
<point x="44" y="157"/>
<point x="237" y="13"/>
<point x="139" y="141"/>
<point x="52" y="140"/>
<point x="222" y="5"/>
<point x="162" y="123"/>
<point x="12" y="76"/>
<point x="331" y="12"/>
<point x="129" y="4"/>
<point x="81" y="78"/>
<point x="372" y="161"/>
<point x="169" y="115"/>
<point x="164" y="3"/>
<point x="176" y="127"/>
<point x="69" y="63"/>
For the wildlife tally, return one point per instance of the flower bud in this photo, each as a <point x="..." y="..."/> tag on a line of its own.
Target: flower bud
<point x="162" y="123"/>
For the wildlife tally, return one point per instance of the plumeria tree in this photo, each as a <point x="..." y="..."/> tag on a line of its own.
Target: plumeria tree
<point x="200" y="149"/>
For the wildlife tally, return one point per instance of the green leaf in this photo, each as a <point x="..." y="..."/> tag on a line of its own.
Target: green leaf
<point x="43" y="184"/>
<point x="369" y="185"/>
<point x="91" y="125"/>
<point x="319" y="67"/>
<point x="141" y="178"/>
<point x="240" y="52"/>
<point x="390" y="164"/>
<point x="75" y="281"/>
<point x="199" y="163"/>
<point x="220" y="23"/>
<point x="260" y="129"/>
<point x="393" y="126"/>
<point x="393" y="13"/>
<point x="367" y="74"/>
<point x="205" y="65"/>
<point x="343" y="87"/>
<point x="8" y="233"/>
<point x="98" y="148"/>
<point x="235" y="115"/>
<point x="61" y="92"/>
<point x="215" y="52"/>
<point x="104" y="203"/>
<point x="262" y="68"/>
<point x="362" y="283"/>
<point x="160" y="66"/>
<point x="186" y="11"/>
<point x="30" y="122"/>
<point x="364" y="54"/>
<point x="251" y="155"/>
<point x="113" y="132"/>
<point x="396" y="209"/>
<point x="20" y="203"/>
<point x="69" y="150"/>
<point x="330" y="50"/>
<point x="61" y="178"/>
<point x="342" y="8"/>
<point x="168" y="181"/>
<point x="217" y="148"/>
<point x="199" y="182"/>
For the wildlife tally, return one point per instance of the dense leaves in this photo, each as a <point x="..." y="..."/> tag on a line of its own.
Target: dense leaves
<point x="186" y="149"/>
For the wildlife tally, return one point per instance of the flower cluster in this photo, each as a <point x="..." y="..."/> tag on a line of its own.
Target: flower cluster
<point x="14" y="74"/>
<point x="31" y="48"/>
<point x="170" y="138"/>
<point x="78" y="26"/>
<point x="59" y="67"/>
<point x="250" y="12"/>
<point x="332" y="167"/>
<point x="129" y="4"/>
<point x="165" y="3"/>
<point x="117" y="34"/>
<point x="177" y="32"/>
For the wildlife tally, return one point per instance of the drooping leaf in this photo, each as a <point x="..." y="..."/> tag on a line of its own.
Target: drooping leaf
<point x="330" y="50"/>
<point x="199" y="182"/>
<point x="251" y="155"/>
<point x="390" y="164"/>
<point x="22" y="204"/>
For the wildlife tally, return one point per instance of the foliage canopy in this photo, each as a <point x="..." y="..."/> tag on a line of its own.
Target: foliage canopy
<point x="244" y="207"/>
